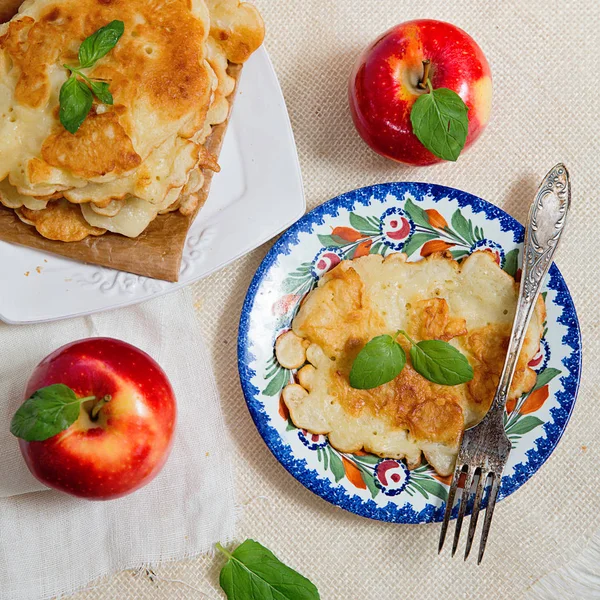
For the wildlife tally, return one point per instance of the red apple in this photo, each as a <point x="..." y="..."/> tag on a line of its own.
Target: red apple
<point x="122" y="436"/>
<point x="385" y="84"/>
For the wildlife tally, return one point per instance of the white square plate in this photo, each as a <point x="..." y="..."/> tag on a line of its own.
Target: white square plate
<point x="257" y="194"/>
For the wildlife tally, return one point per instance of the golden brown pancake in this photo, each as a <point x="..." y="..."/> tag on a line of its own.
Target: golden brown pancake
<point x="470" y="305"/>
<point x="170" y="85"/>
<point x="60" y="220"/>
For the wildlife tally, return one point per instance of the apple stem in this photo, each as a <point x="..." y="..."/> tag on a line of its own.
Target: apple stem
<point x="98" y="406"/>
<point x="425" y="79"/>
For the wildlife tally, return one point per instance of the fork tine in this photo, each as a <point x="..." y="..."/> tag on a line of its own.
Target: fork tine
<point x="464" y="498"/>
<point x="449" y="505"/>
<point x="475" y="512"/>
<point x="489" y="513"/>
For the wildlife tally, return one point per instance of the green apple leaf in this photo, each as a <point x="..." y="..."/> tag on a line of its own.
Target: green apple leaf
<point x="253" y="572"/>
<point x="48" y="411"/>
<point x="439" y="119"/>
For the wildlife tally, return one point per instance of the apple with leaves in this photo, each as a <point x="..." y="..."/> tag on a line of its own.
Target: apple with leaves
<point x="421" y="93"/>
<point x="98" y="419"/>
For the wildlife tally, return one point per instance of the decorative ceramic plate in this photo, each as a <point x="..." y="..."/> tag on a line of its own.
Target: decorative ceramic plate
<point x="417" y="219"/>
<point x="257" y="194"/>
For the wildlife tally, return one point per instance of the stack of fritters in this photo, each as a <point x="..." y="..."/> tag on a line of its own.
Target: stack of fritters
<point x="140" y="157"/>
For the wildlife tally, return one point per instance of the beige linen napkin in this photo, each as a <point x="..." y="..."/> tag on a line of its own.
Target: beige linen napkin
<point x="51" y="543"/>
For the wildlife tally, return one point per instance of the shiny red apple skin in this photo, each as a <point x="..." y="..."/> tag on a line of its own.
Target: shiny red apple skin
<point x="383" y="85"/>
<point x="131" y="440"/>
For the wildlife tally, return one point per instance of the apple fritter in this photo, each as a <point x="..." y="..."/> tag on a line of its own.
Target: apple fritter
<point x="470" y="305"/>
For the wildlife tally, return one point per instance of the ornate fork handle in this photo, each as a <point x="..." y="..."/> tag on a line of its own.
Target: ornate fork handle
<point x="545" y="225"/>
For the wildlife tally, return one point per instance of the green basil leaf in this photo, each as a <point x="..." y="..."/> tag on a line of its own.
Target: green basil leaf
<point x="100" y="43"/>
<point x="75" y="103"/>
<point x="511" y="262"/>
<point x="100" y="89"/>
<point x="48" y="411"/>
<point x="439" y="119"/>
<point x="524" y="425"/>
<point x="440" y="362"/>
<point x="378" y="362"/>
<point x="546" y="376"/>
<point x="254" y="573"/>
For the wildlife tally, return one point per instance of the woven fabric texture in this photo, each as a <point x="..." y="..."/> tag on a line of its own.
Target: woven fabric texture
<point x="545" y="110"/>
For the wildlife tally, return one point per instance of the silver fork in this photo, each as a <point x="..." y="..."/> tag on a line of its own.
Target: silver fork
<point x="485" y="447"/>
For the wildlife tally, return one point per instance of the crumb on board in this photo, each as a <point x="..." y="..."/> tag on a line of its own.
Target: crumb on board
<point x="26" y="273"/>
<point x="207" y="454"/>
<point x="584" y="448"/>
<point x="38" y="269"/>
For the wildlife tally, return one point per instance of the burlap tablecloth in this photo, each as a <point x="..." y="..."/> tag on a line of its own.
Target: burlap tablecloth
<point x="545" y="109"/>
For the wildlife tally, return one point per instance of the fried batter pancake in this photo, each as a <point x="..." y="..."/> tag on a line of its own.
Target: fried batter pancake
<point x="169" y="80"/>
<point x="237" y="27"/>
<point x="85" y="154"/>
<point x="60" y="220"/>
<point x="11" y="198"/>
<point x="471" y="305"/>
<point x="157" y="75"/>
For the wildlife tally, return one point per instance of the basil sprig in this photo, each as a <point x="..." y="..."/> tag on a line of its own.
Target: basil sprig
<point x="50" y="410"/>
<point x="46" y="412"/>
<point x="383" y="358"/>
<point x="253" y="572"/>
<point x="75" y="96"/>
<point x="439" y="119"/>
